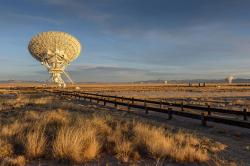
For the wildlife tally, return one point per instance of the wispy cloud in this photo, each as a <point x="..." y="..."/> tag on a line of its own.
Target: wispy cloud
<point x="102" y="73"/>
<point x="21" y="16"/>
<point x="92" y="66"/>
<point x="84" y="10"/>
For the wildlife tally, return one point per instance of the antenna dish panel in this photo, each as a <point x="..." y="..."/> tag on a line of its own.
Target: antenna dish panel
<point x="55" y="50"/>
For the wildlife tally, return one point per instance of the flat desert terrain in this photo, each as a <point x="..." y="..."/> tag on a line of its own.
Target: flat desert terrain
<point x="41" y="128"/>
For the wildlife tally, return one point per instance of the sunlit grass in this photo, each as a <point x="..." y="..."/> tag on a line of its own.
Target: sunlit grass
<point x="73" y="136"/>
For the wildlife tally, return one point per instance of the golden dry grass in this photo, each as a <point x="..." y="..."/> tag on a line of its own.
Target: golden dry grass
<point x="73" y="136"/>
<point x="35" y="141"/>
<point x="75" y="143"/>
<point x="123" y="150"/>
<point x="13" y="161"/>
<point x="6" y="149"/>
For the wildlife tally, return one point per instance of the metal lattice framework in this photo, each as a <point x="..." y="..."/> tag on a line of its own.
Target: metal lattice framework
<point x="55" y="50"/>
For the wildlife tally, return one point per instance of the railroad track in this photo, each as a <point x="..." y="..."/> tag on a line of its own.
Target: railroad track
<point x="204" y="114"/>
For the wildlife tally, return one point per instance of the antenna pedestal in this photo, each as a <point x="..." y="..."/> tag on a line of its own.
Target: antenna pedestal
<point x="57" y="78"/>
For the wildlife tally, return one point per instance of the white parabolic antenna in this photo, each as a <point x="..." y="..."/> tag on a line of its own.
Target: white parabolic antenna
<point x="55" y="50"/>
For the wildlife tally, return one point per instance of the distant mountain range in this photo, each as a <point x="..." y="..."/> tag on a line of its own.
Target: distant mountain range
<point x="19" y="81"/>
<point x="238" y="80"/>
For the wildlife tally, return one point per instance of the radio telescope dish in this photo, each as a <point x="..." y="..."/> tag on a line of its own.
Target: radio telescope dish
<point x="55" y="50"/>
<point x="229" y="79"/>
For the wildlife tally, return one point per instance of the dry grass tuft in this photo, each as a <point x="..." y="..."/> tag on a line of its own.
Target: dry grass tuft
<point x="42" y="100"/>
<point x="217" y="146"/>
<point x="58" y="116"/>
<point x="11" y="129"/>
<point x="75" y="144"/>
<point x="91" y="149"/>
<point x="67" y="144"/>
<point x="189" y="153"/>
<point x="174" y="146"/>
<point x="35" y="141"/>
<point x="123" y="150"/>
<point x="13" y="161"/>
<point x="31" y="115"/>
<point x="146" y="136"/>
<point x="6" y="148"/>
<point x="101" y="126"/>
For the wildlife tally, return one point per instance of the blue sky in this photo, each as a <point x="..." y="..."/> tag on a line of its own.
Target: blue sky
<point x="130" y="40"/>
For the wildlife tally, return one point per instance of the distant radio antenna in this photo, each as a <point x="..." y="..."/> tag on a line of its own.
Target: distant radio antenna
<point x="55" y="50"/>
<point x="229" y="79"/>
